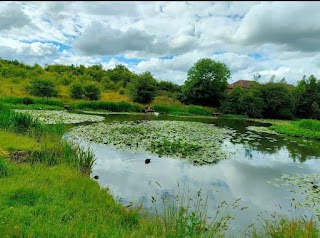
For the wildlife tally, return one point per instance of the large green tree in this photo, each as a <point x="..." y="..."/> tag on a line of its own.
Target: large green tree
<point x="206" y="83"/>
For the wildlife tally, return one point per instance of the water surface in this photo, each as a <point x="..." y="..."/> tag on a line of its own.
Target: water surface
<point x="255" y="159"/>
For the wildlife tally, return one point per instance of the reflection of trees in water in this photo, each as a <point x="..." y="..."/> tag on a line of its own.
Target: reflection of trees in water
<point x="299" y="150"/>
<point x="303" y="150"/>
<point x="248" y="153"/>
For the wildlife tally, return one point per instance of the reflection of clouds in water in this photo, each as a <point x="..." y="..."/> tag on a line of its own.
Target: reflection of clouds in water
<point x="130" y="179"/>
<point x="258" y="158"/>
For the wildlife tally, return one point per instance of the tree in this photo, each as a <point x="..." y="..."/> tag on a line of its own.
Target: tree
<point x="143" y="88"/>
<point x="247" y="102"/>
<point x="307" y="95"/>
<point x="206" y="83"/>
<point x="279" y="101"/>
<point x="92" y="91"/>
<point x="256" y="77"/>
<point x="42" y="88"/>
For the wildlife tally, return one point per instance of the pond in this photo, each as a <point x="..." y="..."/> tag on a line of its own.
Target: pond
<point x="249" y="168"/>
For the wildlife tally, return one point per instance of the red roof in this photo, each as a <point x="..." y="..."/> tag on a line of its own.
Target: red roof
<point x="242" y="83"/>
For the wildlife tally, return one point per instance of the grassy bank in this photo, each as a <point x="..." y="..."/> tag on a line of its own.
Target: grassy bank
<point x="306" y="128"/>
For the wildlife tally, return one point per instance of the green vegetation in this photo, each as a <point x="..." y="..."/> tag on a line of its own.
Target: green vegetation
<point x="107" y="106"/>
<point x="43" y="88"/>
<point x="288" y="228"/>
<point x="143" y="88"/>
<point x="92" y="92"/>
<point x="197" y="142"/>
<point x="4" y="169"/>
<point x="306" y="128"/>
<point x="76" y="91"/>
<point x="206" y="83"/>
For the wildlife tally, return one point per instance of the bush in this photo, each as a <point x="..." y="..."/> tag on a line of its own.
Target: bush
<point x="76" y="91"/>
<point x="27" y="101"/>
<point x="43" y="88"/>
<point x="92" y="92"/>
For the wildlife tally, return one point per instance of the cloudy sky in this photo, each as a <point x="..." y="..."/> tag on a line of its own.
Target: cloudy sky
<point x="167" y="38"/>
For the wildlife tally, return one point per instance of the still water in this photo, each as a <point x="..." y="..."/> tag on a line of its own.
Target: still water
<point x="254" y="159"/>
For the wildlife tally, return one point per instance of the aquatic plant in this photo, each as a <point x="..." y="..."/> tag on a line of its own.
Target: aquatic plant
<point x="305" y="189"/>
<point x="197" y="142"/>
<point x="59" y="116"/>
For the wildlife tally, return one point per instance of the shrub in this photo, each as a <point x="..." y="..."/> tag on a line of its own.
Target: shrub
<point x="92" y="92"/>
<point x="76" y="91"/>
<point x="43" y="88"/>
<point x="27" y="101"/>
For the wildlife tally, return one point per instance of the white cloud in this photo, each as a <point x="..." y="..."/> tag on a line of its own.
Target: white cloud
<point x="291" y="24"/>
<point x="30" y="53"/>
<point x="284" y="36"/>
<point x="11" y="16"/>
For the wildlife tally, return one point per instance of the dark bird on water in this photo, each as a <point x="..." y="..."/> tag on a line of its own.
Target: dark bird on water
<point x="147" y="161"/>
<point x="96" y="177"/>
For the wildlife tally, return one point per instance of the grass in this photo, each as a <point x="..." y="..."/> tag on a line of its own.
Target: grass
<point x="4" y="168"/>
<point x="11" y="141"/>
<point x="108" y="106"/>
<point x="288" y="228"/>
<point x="306" y="128"/>
<point x="235" y="116"/>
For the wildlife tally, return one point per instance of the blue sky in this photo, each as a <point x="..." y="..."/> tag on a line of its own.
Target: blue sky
<point x="167" y="38"/>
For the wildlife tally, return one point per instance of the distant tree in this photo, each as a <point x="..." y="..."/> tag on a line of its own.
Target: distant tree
<point x="272" y="78"/>
<point x="256" y="77"/>
<point x="206" y="83"/>
<point x="96" y="72"/>
<point x="76" y="91"/>
<point x="92" y="91"/>
<point x="42" y="88"/>
<point x="247" y="102"/>
<point x="120" y="73"/>
<point x="169" y="86"/>
<point x="143" y="88"/>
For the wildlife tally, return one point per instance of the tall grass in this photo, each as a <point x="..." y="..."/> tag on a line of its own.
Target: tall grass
<point x="33" y="100"/>
<point x="78" y="157"/>
<point x="288" y="228"/>
<point x="4" y="169"/>
<point x="108" y="106"/>
<point x="187" y="216"/>
<point x="309" y="124"/>
<point x="18" y="122"/>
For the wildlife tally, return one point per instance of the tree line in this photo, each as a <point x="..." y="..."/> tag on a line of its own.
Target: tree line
<point x="206" y="85"/>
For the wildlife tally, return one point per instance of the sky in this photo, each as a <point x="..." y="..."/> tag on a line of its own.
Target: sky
<point x="167" y="38"/>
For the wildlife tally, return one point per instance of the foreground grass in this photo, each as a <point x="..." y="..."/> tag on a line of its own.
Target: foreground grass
<point x="285" y="228"/>
<point x="306" y="128"/>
